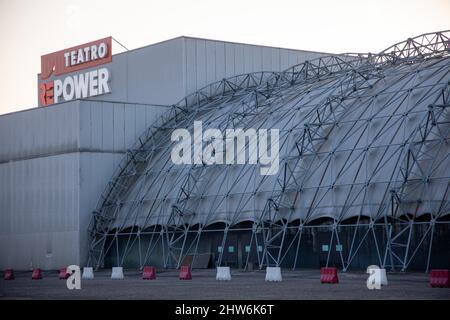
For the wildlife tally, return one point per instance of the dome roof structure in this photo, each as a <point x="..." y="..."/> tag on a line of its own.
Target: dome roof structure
<point x="362" y="137"/>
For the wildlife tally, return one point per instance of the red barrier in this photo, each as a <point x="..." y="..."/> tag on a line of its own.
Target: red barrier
<point x="185" y="273"/>
<point x="329" y="275"/>
<point x="149" y="273"/>
<point x="9" y="274"/>
<point x="63" y="274"/>
<point x="440" y="278"/>
<point x="37" y="274"/>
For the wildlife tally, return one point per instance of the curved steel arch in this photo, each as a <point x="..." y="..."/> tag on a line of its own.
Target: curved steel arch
<point x="335" y="80"/>
<point x="134" y="161"/>
<point x="276" y="232"/>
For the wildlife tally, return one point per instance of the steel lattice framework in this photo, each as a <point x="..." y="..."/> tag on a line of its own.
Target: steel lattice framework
<point x="363" y="138"/>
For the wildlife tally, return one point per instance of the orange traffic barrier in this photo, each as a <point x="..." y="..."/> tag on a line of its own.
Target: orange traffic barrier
<point x="37" y="274"/>
<point x="9" y="274"/>
<point x="149" y="273"/>
<point x="440" y="278"/>
<point x="185" y="273"/>
<point x="329" y="275"/>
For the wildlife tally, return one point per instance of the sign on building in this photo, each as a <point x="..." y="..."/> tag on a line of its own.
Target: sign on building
<point x="64" y="76"/>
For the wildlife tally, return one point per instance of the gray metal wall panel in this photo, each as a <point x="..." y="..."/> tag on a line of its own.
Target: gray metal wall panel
<point x="107" y="126"/>
<point x="210" y="61"/>
<point x="248" y="59"/>
<point x="201" y="64"/>
<point x="39" y="209"/>
<point x="284" y="59"/>
<point x="220" y="61"/>
<point x="25" y="251"/>
<point x="154" y="73"/>
<point x="86" y="125"/>
<point x="191" y="66"/>
<point x="129" y="130"/>
<point x="118" y="126"/>
<point x="266" y="56"/>
<point x="140" y="121"/>
<point x="239" y="59"/>
<point x="276" y="65"/>
<point x="29" y="133"/>
<point x="293" y="58"/>
<point x="96" y="130"/>
<point x="229" y="60"/>
<point x="95" y="171"/>
<point x="113" y="127"/>
<point x="257" y="59"/>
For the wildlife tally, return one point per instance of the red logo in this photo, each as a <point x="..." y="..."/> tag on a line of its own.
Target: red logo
<point x="46" y="93"/>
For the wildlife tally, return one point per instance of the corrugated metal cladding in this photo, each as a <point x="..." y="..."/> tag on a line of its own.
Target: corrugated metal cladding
<point x="52" y="178"/>
<point x="208" y="61"/>
<point x="55" y="161"/>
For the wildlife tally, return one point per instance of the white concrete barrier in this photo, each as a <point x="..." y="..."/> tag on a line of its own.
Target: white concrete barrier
<point x="273" y="274"/>
<point x="380" y="273"/>
<point x="117" y="273"/>
<point x="88" y="273"/>
<point x="223" y="273"/>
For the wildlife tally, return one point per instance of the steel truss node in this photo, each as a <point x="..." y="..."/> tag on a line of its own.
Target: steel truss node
<point x="363" y="138"/>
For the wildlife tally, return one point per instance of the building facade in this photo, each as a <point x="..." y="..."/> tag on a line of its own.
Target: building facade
<point x="55" y="161"/>
<point x="362" y="169"/>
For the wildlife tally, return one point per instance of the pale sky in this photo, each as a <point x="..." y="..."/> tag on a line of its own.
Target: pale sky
<point x="30" y="28"/>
